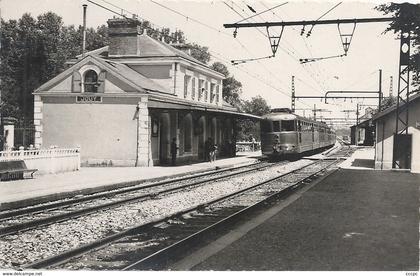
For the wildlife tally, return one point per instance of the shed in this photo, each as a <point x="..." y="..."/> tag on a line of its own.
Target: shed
<point x="398" y="151"/>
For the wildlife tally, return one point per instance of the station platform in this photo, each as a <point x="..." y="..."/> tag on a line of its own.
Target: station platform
<point x="44" y="188"/>
<point x="355" y="219"/>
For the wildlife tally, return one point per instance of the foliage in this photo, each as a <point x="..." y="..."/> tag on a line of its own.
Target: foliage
<point x="200" y="53"/>
<point x="256" y="106"/>
<point x="407" y="16"/>
<point x="387" y="102"/>
<point x="232" y="88"/>
<point x="249" y="129"/>
<point x="33" y="51"/>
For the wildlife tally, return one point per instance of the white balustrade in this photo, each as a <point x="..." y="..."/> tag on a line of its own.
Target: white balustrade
<point x="46" y="160"/>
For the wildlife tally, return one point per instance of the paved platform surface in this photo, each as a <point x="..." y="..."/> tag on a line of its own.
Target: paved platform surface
<point x="362" y="159"/>
<point x="354" y="220"/>
<point x="90" y="179"/>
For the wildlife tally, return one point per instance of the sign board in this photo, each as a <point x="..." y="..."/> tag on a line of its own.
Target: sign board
<point x="88" y="99"/>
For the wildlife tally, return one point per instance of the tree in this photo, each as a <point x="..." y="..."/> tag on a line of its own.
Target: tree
<point x="33" y="52"/>
<point x="256" y="106"/>
<point x="232" y="88"/>
<point x="407" y="16"/>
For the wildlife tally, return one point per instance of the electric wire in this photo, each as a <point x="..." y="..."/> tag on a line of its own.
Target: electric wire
<point x="208" y="26"/>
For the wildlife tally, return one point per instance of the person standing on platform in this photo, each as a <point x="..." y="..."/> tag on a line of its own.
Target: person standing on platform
<point x="214" y="152"/>
<point x="174" y="149"/>
<point x="211" y="149"/>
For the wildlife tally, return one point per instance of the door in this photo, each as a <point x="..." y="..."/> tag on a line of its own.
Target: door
<point x="402" y="151"/>
<point x="164" y="139"/>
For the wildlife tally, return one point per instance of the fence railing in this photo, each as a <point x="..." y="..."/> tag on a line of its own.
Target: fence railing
<point x="34" y="154"/>
<point x="46" y="160"/>
<point x="248" y="146"/>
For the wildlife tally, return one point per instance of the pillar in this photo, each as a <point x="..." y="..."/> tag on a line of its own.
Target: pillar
<point x="144" y="158"/>
<point x="38" y="121"/>
<point x="8" y="133"/>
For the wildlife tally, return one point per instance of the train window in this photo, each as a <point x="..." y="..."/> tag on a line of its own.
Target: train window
<point x="276" y="126"/>
<point x="288" y="125"/>
<point x="266" y="126"/>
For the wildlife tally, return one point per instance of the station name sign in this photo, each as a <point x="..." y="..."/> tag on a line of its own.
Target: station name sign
<point x="88" y="99"/>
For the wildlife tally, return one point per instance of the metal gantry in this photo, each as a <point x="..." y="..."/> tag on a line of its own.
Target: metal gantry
<point x="402" y="142"/>
<point x="351" y="96"/>
<point x="275" y="40"/>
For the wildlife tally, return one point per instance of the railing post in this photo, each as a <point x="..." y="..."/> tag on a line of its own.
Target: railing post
<point x="78" y="157"/>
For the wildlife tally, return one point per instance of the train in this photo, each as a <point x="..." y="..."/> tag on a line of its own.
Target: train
<point x="284" y="133"/>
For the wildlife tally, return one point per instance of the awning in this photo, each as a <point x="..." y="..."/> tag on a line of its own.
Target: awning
<point x="160" y="103"/>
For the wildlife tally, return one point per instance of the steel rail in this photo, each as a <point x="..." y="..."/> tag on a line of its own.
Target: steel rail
<point x="172" y="251"/>
<point x="65" y="256"/>
<point x="26" y="226"/>
<point x="111" y="192"/>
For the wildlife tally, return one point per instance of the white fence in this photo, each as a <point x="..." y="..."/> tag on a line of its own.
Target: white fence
<point x="46" y="161"/>
<point x="248" y="146"/>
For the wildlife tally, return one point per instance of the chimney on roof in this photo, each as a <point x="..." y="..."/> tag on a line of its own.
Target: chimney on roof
<point x="123" y="37"/>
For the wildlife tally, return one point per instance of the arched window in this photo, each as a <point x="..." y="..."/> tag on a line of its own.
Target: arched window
<point x="90" y="81"/>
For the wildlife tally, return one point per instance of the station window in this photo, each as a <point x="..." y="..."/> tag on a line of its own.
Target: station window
<point x="276" y="126"/>
<point x="212" y="93"/>
<point x="206" y="92"/>
<point x="200" y="89"/>
<point x="217" y="93"/>
<point x="288" y="125"/>
<point x="193" y="89"/>
<point x="186" y="85"/>
<point x="90" y="81"/>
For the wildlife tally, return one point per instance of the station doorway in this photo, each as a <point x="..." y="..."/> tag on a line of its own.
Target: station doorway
<point x="402" y="151"/>
<point x="164" y="138"/>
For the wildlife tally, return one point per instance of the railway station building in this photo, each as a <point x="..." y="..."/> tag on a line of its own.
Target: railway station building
<point x="405" y="152"/>
<point x="363" y="132"/>
<point x="123" y="104"/>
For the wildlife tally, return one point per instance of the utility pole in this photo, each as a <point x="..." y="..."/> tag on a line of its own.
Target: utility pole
<point x="356" y="133"/>
<point x="1" y="106"/>
<point x="380" y="91"/>
<point x="402" y="151"/>
<point x="391" y="88"/>
<point x="293" y="94"/>
<point x="314" y="112"/>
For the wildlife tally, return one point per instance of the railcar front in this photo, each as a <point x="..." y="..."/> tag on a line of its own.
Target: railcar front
<point x="279" y="135"/>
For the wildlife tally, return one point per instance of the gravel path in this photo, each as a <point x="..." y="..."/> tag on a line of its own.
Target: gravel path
<point x="47" y="241"/>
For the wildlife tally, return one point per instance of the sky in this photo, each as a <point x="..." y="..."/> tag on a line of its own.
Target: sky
<point x="202" y="22"/>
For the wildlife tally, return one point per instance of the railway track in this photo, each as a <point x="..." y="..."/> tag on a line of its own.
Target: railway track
<point x="152" y="245"/>
<point x="28" y="218"/>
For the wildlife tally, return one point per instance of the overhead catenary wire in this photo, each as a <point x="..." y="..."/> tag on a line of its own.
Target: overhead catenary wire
<point x="306" y="69"/>
<point x="214" y="29"/>
<point x="267" y="10"/>
<point x="324" y="14"/>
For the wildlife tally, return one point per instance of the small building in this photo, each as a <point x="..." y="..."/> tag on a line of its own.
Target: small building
<point x="404" y="152"/>
<point x="123" y="104"/>
<point x="363" y="132"/>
